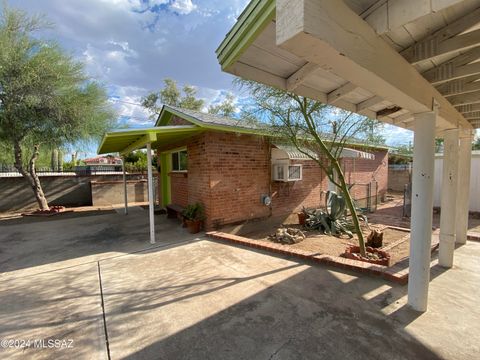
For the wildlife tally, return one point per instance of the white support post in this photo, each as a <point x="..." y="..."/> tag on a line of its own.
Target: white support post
<point x="449" y="198"/>
<point x="463" y="190"/>
<point x="125" y="195"/>
<point x="422" y="205"/>
<point x="150" y="193"/>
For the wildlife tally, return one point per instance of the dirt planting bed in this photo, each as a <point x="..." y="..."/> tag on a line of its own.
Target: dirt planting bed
<point x="395" y="241"/>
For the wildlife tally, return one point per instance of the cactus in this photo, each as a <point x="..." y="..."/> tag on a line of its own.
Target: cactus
<point x="332" y="220"/>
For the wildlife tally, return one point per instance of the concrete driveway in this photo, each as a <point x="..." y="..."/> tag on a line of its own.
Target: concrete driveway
<point x="94" y="284"/>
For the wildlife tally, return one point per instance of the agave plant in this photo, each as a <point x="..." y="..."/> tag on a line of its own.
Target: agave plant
<point x="332" y="220"/>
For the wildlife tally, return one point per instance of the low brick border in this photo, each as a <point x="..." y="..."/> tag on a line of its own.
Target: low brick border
<point x="474" y="236"/>
<point x="397" y="273"/>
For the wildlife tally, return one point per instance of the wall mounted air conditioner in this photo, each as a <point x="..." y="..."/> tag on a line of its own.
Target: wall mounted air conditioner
<point x="287" y="172"/>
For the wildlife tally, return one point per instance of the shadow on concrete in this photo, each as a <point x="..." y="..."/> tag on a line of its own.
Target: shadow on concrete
<point x="35" y="241"/>
<point x="311" y="315"/>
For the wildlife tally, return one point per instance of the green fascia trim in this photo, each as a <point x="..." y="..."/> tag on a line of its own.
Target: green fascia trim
<point x="164" y="165"/>
<point x="236" y="129"/>
<point x="148" y="135"/>
<point x="253" y="20"/>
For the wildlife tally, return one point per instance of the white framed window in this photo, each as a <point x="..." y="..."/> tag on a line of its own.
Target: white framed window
<point x="180" y="161"/>
<point x="286" y="172"/>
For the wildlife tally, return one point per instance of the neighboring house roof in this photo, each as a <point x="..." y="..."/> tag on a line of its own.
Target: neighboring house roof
<point x="125" y="141"/>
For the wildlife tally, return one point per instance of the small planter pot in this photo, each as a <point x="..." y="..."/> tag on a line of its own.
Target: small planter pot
<point x="353" y="252"/>
<point x="302" y="217"/>
<point x="193" y="226"/>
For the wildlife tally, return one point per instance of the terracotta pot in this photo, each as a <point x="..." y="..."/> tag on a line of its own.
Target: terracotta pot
<point x="301" y="218"/>
<point x="194" y="226"/>
<point x="353" y="252"/>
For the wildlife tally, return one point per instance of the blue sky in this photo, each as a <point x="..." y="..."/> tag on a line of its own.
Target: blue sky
<point x="131" y="45"/>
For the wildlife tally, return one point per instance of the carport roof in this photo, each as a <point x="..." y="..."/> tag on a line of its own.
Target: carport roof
<point x="384" y="59"/>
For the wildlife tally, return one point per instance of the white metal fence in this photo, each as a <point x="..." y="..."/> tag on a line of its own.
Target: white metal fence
<point x="474" y="181"/>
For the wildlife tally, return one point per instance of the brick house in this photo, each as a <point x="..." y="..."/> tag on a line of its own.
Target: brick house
<point x="229" y="167"/>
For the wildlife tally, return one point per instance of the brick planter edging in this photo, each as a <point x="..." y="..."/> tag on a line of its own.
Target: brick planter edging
<point x="397" y="273"/>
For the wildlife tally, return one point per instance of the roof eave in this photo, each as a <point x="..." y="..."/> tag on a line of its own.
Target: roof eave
<point x="253" y="20"/>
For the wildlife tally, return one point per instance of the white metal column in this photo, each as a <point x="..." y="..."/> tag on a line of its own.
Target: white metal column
<point x="463" y="190"/>
<point x="449" y="198"/>
<point x="422" y="204"/>
<point x="150" y="193"/>
<point x="125" y="195"/>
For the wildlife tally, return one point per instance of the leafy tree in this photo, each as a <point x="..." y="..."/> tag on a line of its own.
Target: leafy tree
<point x="171" y="95"/>
<point x="315" y="129"/>
<point x="373" y="132"/>
<point x="476" y="144"/>
<point x="45" y="99"/>
<point x="225" y="108"/>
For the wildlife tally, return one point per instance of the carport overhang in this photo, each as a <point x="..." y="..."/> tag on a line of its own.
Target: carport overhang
<point x="126" y="141"/>
<point x="342" y="54"/>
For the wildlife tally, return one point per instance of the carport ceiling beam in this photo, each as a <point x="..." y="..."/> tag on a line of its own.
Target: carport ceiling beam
<point x="331" y="35"/>
<point x="445" y="40"/>
<point x="341" y="92"/>
<point x="458" y="87"/>
<point x="386" y="15"/>
<point x="460" y="67"/>
<point x="140" y="143"/>
<point x="465" y="109"/>
<point x="465" y="99"/>
<point x="299" y="76"/>
<point x="472" y="115"/>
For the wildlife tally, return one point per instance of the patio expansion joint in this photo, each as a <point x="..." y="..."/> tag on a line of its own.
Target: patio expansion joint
<point x="107" y="345"/>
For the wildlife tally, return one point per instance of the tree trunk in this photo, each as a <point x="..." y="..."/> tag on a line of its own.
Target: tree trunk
<point x="351" y="206"/>
<point x="30" y="176"/>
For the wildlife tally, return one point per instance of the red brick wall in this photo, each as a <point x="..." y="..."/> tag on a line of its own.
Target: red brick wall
<point x="362" y="172"/>
<point x="239" y="173"/>
<point x="178" y="121"/>
<point x="228" y="173"/>
<point x="288" y="197"/>
<point x="179" y="188"/>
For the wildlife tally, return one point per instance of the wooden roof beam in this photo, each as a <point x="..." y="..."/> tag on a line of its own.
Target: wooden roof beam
<point x="299" y="76"/>
<point x="374" y="100"/>
<point x="466" y="109"/>
<point x="472" y="115"/>
<point x="445" y="40"/>
<point x="459" y="67"/>
<point x="331" y="35"/>
<point x="460" y="86"/>
<point x="389" y="15"/>
<point x="338" y="94"/>
<point x="465" y="99"/>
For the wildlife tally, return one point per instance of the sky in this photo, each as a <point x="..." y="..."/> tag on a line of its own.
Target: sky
<point x="130" y="46"/>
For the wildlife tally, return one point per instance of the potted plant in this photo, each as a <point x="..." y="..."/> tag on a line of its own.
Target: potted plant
<point x="194" y="216"/>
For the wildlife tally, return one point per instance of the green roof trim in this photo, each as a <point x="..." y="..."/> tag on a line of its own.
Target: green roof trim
<point x="125" y="141"/>
<point x="251" y="22"/>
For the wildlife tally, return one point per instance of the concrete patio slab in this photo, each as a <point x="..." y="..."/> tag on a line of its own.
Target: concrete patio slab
<point x="191" y="298"/>
<point x="59" y="305"/>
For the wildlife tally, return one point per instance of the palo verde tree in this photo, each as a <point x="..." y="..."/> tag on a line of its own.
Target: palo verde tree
<point x="45" y="98"/>
<point x="317" y="130"/>
<point x="170" y="94"/>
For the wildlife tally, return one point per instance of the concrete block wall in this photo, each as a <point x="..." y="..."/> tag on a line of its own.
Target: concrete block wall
<point x="111" y="192"/>
<point x="66" y="190"/>
<point x="397" y="178"/>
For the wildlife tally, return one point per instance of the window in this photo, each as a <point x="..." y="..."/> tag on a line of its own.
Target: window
<point x="285" y="172"/>
<point x="179" y="161"/>
<point x="294" y="172"/>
